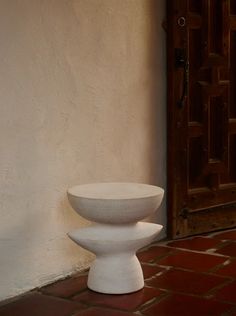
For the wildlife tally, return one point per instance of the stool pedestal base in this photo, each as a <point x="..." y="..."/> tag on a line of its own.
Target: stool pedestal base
<point x="116" y="269"/>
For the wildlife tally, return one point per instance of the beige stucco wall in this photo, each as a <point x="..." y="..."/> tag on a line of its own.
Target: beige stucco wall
<point x="82" y="99"/>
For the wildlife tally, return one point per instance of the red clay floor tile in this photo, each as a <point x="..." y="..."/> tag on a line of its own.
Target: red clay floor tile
<point x="97" y="311"/>
<point x="228" y="270"/>
<point x="196" y="243"/>
<point x="227" y="293"/>
<point x="197" y="284"/>
<point x="154" y="252"/>
<point x="186" y="282"/>
<point x="230" y="235"/>
<point x="233" y="313"/>
<point x="124" y="301"/>
<point x="183" y="305"/>
<point x="36" y="304"/>
<point x="151" y="270"/>
<point x="199" y="262"/>
<point x="66" y="288"/>
<point x="229" y="250"/>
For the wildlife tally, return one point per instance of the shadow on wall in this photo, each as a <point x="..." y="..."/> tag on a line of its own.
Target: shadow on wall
<point x="157" y="63"/>
<point x="155" y="129"/>
<point x="158" y="139"/>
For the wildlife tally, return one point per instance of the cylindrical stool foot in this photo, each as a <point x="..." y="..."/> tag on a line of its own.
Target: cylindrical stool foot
<point x="117" y="274"/>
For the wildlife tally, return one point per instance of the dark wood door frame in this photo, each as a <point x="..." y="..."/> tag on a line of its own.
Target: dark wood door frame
<point x="201" y="152"/>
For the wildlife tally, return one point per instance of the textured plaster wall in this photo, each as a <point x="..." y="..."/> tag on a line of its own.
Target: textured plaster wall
<point x="82" y="99"/>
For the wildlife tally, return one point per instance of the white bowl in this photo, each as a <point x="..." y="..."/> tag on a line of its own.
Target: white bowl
<point x="115" y="203"/>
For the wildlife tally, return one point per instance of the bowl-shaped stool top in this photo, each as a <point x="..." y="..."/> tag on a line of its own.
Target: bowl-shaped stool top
<point x="115" y="203"/>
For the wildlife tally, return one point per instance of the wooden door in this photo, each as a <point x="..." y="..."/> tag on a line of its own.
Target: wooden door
<point x="201" y="36"/>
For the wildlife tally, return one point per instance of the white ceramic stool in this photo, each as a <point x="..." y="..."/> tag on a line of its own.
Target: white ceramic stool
<point x="116" y="234"/>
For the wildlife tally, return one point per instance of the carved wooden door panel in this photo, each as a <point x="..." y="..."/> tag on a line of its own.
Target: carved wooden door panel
<point x="201" y="36"/>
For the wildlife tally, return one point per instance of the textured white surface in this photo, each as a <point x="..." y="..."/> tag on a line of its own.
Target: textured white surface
<point x="82" y="88"/>
<point x="115" y="191"/>
<point x="119" y="206"/>
<point x="118" y="203"/>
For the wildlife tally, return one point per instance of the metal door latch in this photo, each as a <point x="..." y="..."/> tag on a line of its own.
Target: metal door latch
<point x="181" y="61"/>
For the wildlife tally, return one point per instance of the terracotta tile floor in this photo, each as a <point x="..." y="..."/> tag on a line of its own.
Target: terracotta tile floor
<point x="190" y="277"/>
